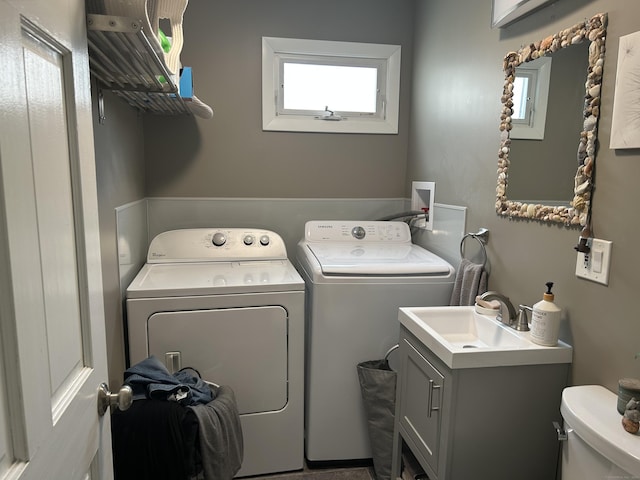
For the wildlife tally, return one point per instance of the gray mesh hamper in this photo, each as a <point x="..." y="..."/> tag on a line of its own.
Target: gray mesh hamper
<point x="378" y="388"/>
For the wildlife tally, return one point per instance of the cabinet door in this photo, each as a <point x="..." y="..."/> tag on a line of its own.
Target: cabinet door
<point x="420" y="404"/>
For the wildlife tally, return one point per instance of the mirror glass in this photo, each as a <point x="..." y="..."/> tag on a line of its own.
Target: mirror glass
<point x="547" y="148"/>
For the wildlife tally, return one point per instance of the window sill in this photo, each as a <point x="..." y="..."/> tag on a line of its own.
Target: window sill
<point x="348" y="125"/>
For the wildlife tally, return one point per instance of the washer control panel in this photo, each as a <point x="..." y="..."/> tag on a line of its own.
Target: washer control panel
<point x="216" y="244"/>
<point x="351" y="231"/>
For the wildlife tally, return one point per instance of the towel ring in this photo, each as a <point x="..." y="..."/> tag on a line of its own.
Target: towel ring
<point x="481" y="236"/>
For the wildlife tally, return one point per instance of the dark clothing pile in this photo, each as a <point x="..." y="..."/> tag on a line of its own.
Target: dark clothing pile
<point x="179" y="427"/>
<point x="151" y="379"/>
<point x="156" y="440"/>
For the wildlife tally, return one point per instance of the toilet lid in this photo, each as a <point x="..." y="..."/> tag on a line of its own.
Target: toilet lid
<point x="591" y="411"/>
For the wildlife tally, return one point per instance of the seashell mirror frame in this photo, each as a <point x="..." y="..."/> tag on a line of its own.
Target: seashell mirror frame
<point x="578" y="213"/>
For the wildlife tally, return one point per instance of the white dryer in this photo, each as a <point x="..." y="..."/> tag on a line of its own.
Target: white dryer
<point x="358" y="274"/>
<point x="229" y="303"/>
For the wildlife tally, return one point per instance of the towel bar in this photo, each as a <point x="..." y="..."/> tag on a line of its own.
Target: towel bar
<point x="482" y="237"/>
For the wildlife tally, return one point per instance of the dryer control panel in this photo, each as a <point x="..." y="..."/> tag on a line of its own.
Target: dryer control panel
<point x="216" y="244"/>
<point x="352" y="231"/>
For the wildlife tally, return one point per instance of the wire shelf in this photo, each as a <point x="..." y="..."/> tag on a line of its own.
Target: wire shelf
<point x="125" y="61"/>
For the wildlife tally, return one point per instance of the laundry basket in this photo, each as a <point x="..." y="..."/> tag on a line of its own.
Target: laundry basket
<point x="378" y="388"/>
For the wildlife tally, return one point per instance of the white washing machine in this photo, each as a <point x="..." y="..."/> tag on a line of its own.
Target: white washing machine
<point x="229" y="303"/>
<point x="357" y="275"/>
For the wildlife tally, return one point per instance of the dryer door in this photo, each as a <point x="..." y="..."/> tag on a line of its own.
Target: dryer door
<point x="245" y="348"/>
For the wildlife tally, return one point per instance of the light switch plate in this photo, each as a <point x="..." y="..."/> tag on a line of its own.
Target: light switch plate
<point x="595" y="265"/>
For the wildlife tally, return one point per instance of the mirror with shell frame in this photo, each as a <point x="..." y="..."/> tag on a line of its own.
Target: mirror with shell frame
<point x="576" y="210"/>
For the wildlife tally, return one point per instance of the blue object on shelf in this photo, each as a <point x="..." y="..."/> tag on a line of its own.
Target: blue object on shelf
<point x="186" y="83"/>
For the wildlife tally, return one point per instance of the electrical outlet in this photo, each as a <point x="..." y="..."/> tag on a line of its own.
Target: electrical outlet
<point x="595" y="265"/>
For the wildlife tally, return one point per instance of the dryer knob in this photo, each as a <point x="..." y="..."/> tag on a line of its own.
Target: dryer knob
<point x="248" y="240"/>
<point x="264" y="240"/>
<point x="219" y="239"/>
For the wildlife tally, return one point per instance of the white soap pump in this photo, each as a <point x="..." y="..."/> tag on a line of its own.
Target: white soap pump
<point x="545" y="320"/>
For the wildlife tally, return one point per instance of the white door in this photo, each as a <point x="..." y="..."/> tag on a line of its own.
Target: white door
<point x="52" y="350"/>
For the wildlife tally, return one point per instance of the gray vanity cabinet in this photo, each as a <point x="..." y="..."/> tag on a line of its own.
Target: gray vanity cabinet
<point x="483" y="423"/>
<point x="421" y="404"/>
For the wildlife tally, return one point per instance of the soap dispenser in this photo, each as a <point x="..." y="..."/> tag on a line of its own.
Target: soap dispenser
<point x="545" y="320"/>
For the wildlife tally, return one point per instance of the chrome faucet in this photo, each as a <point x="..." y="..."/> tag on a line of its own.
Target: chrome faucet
<point x="504" y="301"/>
<point x="522" y="325"/>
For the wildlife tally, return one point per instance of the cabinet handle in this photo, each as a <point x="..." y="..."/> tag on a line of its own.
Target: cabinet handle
<point x="430" y="407"/>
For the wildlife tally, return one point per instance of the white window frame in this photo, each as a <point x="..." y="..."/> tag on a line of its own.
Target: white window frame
<point x="539" y="72"/>
<point x="274" y="118"/>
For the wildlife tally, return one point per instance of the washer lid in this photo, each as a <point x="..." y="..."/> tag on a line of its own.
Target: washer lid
<point x="208" y="278"/>
<point x="377" y="259"/>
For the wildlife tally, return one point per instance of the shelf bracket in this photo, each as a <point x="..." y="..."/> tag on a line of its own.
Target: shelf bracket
<point x="101" y="115"/>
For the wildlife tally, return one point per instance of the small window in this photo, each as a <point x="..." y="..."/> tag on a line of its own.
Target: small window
<point x="530" y="98"/>
<point x="320" y="86"/>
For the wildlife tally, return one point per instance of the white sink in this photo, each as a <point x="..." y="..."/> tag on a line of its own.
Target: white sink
<point x="462" y="338"/>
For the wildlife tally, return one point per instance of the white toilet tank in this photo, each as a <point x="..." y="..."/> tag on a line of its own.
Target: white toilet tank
<point x="597" y="446"/>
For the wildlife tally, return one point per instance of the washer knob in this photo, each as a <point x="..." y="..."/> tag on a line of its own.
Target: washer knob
<point x="264" y="240"/>
<point x="358" y="232"/>
<point x="249" y="239"/>
<point x="219" y="239"/>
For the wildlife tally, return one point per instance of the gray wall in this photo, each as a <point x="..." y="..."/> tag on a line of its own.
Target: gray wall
<point x="120" y="177"/>
<point x="230" y="155"/>
<point x="449" y="134"/>
<point x="454" y="141"/>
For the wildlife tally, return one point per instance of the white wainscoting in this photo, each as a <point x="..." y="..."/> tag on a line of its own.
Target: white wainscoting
<point x="449" y="224"/>
<point x="285" y="216"/>
<point x="138" y="222"/>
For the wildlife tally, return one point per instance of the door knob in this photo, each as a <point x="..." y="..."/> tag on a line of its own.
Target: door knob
<point x="123" y="399"/>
